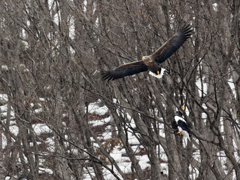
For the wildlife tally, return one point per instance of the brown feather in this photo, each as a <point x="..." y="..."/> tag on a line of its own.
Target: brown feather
<point x="125" y="70"/>
<point x="172" y="45"/>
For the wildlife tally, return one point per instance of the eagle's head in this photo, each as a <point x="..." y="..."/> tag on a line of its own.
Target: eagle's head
<point x="144" y="58"/>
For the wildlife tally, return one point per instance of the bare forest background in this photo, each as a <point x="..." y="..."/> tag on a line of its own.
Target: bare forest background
<point x="51" y="56"/>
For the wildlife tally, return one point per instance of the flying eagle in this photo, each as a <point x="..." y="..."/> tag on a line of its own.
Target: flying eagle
<point x="151" y="62"/>
<point x="180" y="125"/>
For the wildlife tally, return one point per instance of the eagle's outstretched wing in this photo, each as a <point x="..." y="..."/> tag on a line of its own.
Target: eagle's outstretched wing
<point x="125" y="70"/>
<point x="164" y="52"/>
<point x="172" y="45"/>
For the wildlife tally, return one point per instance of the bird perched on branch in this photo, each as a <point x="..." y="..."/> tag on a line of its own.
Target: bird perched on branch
<point x="151" y="62"/>
<point x="181" y="126"/>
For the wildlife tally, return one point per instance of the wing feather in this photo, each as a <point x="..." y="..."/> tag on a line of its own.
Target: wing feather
<point x="125" y="70"/>
<point x="184" y="126"/>
<point x="173" y="44"/>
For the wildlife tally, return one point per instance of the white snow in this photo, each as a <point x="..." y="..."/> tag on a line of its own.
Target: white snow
<point x="202" y="88"/>
<point x="14" y="129"/>
<point x="118" y="152"/>
<point x="50" y="144"/>
<point x="3" y="110"/>
<point x="45" y="170"/>
<point x="94" y="108"/>
<point x="41" y="128"/>
<point x="4" y="67"/>
<point x="215" y="6"/>
<point x="3" y="98"/>
<point x="232" y="86"/>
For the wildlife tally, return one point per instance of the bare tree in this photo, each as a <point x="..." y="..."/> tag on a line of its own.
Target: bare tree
<point x="52" y="54"/>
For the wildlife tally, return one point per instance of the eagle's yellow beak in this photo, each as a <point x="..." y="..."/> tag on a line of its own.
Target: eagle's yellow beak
<point x="158" y="72"/>
<point x="143" y="58"/>
<point x="180" y="133"/>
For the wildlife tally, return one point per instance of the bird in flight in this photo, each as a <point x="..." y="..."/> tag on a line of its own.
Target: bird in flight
<point x="151" y="62"/>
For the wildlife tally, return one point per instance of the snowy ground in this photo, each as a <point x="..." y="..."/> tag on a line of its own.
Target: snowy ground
<point x="118" y="153"/>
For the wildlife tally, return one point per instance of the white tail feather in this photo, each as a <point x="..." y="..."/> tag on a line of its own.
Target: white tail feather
<point x="158" y="76"/>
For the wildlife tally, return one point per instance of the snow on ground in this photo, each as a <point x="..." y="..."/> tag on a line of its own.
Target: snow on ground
<point x="4" y="141"/>
<point x="164" y="169"/>
<point x="232" y="86"/>
<point x="196" y="152"/>
<point x="3" y="98"/>
<point x="236" y="154"/>
<point x="223" y="158"/>
<point x="14" y="129"/>
<point x="118" y="153"/>
<point x="215" y="6"/>
<point x="3" y="110"/>
<point x="45" y="170"/>
<point x="107" y="135"/>
<point x="193" y="172"/>
<point x="50" y="144"/>
<point x="161" y="130"/>
<point x="94" y="108"/>
<point x="41" y="128"/>
<point x="202" y="88"/>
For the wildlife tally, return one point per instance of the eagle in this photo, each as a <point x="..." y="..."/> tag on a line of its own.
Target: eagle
<point x="151" y="62"/>
<point x="181" y="127"/>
